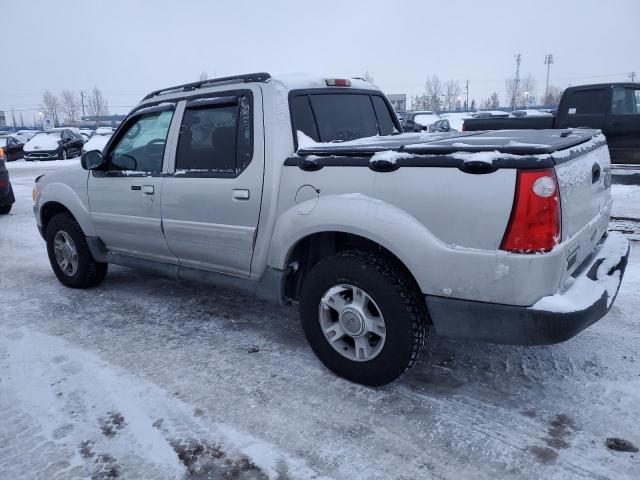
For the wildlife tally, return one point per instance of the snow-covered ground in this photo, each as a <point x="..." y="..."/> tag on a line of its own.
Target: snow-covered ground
<point x="146" y="378"/>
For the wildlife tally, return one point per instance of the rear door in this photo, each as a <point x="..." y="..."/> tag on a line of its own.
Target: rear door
<point x="623" y="126"/>
<point x="212" y="195"/>
<point x="124" y="199"/>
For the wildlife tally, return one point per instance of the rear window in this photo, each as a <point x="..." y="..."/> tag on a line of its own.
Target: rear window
<point x="588" y="102"/>
<point x="339" y="117"/>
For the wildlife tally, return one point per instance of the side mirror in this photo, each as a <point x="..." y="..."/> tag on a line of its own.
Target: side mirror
<point x="91" y="160"/>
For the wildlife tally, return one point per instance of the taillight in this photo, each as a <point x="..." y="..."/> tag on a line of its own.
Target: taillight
<point x="534" y="225"/>
<point x="338" y="82"/>
<point x="2" y="157"/>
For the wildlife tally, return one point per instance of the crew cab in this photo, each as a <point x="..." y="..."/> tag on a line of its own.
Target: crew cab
<point x="305" y="191"/>
<point x="613" y="108"/>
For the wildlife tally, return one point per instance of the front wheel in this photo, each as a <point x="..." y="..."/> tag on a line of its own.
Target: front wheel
<point x="69" y="254"/>
<point x="364" y="317"/>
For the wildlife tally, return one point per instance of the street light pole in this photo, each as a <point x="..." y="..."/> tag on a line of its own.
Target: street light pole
<point x="548" y="60"/>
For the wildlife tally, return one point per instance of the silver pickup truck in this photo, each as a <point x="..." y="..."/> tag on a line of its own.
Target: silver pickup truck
<point x="305" y="190"/>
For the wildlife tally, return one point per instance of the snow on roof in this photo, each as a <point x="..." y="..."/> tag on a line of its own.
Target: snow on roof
<point x="297" y="81"/>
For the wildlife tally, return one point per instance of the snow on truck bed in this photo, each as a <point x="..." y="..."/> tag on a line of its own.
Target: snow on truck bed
<point x="509" y="142"/>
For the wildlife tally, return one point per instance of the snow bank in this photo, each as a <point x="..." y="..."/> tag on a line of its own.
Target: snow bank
<point x="48" y="164"/>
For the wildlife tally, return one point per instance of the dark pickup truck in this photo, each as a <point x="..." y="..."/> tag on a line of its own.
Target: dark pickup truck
<point x="613" y="108"/>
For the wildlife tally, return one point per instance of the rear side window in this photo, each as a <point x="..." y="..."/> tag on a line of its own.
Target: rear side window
<point x="588" y="102"/>
<point x="339" y="117"/>
<point x="625" y="100"/>
<point x="385" y="124"/>
<point x="215" y="139"/>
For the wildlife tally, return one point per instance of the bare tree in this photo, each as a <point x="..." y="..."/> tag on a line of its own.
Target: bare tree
<point x="50" y="104"/>
<point x="451" y="92"/>
<point x="97" y="103"/>
<point x="204" y="76"/>
<point x="553" y="96"/>
<point x="492" y="102"/>
<point x="528" y="90"/>
<point x="433" y="92"/>
<point x="69" y="106"/>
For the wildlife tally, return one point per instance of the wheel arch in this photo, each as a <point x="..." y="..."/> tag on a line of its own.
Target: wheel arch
<point x="312" y="248"/>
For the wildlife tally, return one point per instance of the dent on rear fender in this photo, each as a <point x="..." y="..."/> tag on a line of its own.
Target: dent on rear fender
<point x="439" y="269"/>
<point x="357" y="214"/>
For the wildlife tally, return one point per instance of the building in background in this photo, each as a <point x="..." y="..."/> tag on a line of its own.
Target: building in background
<point x="398" y="102"/>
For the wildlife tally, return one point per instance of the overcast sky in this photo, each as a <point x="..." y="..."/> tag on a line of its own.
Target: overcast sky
<point x="129" y="47"/>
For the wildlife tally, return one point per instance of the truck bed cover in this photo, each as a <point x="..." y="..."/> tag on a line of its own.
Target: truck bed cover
<point x="511" y="142"/>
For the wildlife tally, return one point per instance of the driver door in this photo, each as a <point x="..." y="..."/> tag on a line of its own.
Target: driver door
<point x="124" y="197"/>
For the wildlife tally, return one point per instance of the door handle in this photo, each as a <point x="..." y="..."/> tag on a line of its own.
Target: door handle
<point x="241" y="194"/>
<point x="146" y="189"/>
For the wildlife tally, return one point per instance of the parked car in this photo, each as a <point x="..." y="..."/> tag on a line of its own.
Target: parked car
<point x="12" y="147"/>
<point x="6" y="191"/>
<point x="441" y="126"/>
<point x="87" y="131"/>
<point x="380" y="237"/>
<point x="97" y="142"/>
<point x="613" y="108"/>
<point x="419" y="120"/>
<point x="529" y="113"/>
<point x="54" y="144"/>
<point x="25" y="135"/>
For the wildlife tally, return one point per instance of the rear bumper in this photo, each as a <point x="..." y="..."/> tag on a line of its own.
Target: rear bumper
<point x="552" y="319"/>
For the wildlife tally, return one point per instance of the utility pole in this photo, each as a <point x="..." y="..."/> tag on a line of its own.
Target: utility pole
<point x="516" y="82"/>
<point x="82" y="100"/>
<point x="467" y="102"/>
<point x="632" y="76"/>
<point x="548" y="60"/>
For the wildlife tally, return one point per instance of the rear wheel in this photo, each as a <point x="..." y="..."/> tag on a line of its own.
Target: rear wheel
<point x="69" y="254"/>
<point x="5" y="209"/>
<point x="364" y="317"/>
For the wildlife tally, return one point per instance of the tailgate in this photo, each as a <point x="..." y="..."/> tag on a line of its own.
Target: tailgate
<point x="584" y="179"/>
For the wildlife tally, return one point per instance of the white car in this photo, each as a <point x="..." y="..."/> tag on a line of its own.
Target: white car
<point x="97" y="142"/>
<point x="25" y="135"/>
<point x="530" y="113"/>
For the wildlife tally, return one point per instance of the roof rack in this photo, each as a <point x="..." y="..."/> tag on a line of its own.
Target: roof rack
<point x="187" y="87"/>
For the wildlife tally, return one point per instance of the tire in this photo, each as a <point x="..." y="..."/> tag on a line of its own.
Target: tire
<point x="88" y="273"/>
<point x="4" y="209"/>
<point x="390" y="292"/>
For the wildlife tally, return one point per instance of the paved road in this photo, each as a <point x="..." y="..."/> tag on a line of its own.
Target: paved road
<point x="144" y="377"/>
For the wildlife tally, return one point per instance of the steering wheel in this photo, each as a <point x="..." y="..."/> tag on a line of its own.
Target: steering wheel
<point x="148" y="149"/>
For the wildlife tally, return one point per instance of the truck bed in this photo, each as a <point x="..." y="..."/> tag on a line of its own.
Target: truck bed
<point x="539" y="144"/>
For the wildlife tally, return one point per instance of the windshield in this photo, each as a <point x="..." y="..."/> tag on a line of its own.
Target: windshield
<point x="46" y="135"/>
<point x="339" y="117"/>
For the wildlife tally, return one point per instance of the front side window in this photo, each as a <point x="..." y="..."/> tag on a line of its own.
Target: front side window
<point x="625" y="100"/>
<point x="215" y="139"/>
<point x="141" y="147"/>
